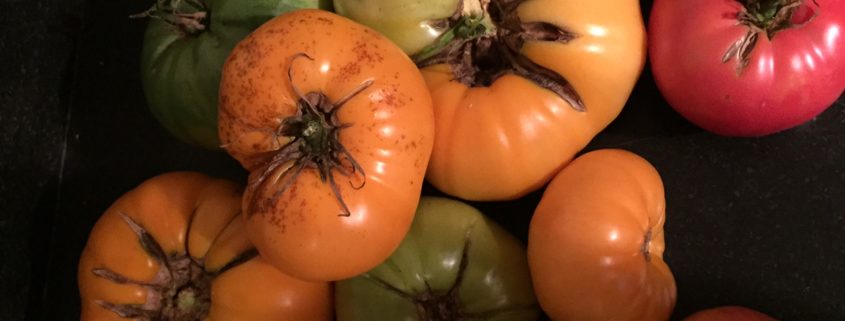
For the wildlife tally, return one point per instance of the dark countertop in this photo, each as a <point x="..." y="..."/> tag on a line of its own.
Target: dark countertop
<point x="754" y="222"/>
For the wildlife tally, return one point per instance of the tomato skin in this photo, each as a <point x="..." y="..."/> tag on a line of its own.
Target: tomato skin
<point x="790" y="78"/>
<point x="495" y="282"/>
<point x="595" y="242"/>
<point x="729" y="313"/>
<point x="407" y="23"/>
<point x="502" y="141"/>
<point x="194" y="216"/>
<point x="302" y="230"/>
<point x="180" y="73"/>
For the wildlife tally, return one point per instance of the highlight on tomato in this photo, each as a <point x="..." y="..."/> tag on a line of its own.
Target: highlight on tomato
<point x="454" y="264"/>
<point x="519" y="87"/>
<point x="184" y="47"/>
<point x="174" y="248"/>
<point x="751" y="67"/>
<point x="595" y="242"/>
<point x="335" y="124"/>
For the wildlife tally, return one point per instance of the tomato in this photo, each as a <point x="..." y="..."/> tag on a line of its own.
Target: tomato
<point x="595" y="242"/>
<point x="335" y="124"/>
<point x="748" y="70"/>
<point x="454" y="264"/>
<point x="183" y="54"/>
<point x="412" y="25"/>
<point x="729" y="313"/>
<point x="174" y="248"/>
<point x="519" y="87"/>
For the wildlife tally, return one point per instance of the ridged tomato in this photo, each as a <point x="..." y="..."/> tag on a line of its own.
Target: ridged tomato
<point x="595" y="243"/>
<point x="335" y="124"/>
<point x="519" y="87"/>
<point x="174" y="248"/>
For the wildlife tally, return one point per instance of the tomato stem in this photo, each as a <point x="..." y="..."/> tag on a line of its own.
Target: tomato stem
<point x="481" y="48"/>
<point x="314" y="143"/>
<point x="180" y="291"/>
<point x="766" y="17"/>
<point x="188" y="15"/>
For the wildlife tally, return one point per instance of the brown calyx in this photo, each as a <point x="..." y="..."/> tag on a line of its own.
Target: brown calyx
<point x="314" y="142"/>
<point x="189" y="16"/>
<point x="180" y="291"/>
<point x="483" y="45"/>
<point x="766" y="17"/>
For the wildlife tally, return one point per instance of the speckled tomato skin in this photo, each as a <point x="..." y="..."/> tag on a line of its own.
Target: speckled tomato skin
<point x="391" y="133"/>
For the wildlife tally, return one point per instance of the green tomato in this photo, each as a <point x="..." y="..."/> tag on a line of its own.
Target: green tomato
<point x="411" y="24"/>
<point x="454" y="264"/>
<point x="183" y="55"/>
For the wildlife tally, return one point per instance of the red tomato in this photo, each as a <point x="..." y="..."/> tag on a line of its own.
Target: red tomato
<point x="748" y="70"/>
<point x="729" y="313"/>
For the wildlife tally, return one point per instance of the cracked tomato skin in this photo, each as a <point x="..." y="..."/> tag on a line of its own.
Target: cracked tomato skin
<point x="502" y="141"/>
<point x="494" y="284"/>
<point x="595" y="242"/>
<point x="302" y="230"/>
<point x="193" y="215"/>
<point x="789" y="79"/>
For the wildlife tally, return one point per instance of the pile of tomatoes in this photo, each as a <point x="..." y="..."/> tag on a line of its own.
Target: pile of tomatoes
<point x="340" y="112"/>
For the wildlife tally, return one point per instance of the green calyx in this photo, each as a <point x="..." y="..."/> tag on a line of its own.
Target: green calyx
<point x="466" y="29"/>
<point x="769" y="16"/>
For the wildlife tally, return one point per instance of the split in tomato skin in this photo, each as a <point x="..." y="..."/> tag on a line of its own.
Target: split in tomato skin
<point x="335" y="124"/>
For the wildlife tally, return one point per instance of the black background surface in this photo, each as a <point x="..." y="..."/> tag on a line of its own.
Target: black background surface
<point x="755" y="222"/>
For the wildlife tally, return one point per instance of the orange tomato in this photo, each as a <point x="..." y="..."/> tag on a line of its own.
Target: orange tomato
<point x="174" y="248"/>
<point x="501" y="140"/>
<point x="595" y="242"/>
<point x="335" y="124"/>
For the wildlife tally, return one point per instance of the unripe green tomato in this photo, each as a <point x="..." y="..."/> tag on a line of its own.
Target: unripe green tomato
<point x="180" y="68"/>
<point x="454" y="264"/>
<point x="411" y="24"/>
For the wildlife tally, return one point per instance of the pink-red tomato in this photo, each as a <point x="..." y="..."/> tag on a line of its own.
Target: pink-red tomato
<point x="748" y="70"/>
<point x="729" y="313"/>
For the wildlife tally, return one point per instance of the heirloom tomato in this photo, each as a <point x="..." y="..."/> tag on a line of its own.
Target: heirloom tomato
<point x="185" y="45"/>
<point x="595" y="242"/>
<point x="748" y="68"/>
<point x="519" y="87"/>
<point x="729" y="313"/>
<point x="335" y="124"/>
<point x="453" y="265"/>
<point x="174" y="249"/>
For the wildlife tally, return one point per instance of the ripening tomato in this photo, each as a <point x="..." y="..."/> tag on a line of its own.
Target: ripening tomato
<point x="729" y="313"/>
<point x="335" y="124"/>
<point x="453" y="265"/>
<point x="174" y="249"/>
<point x="519" y="87"/>
<point x="595" y="242"/>
<point x="748" y="68"/>
<point x="185" y="45"/>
